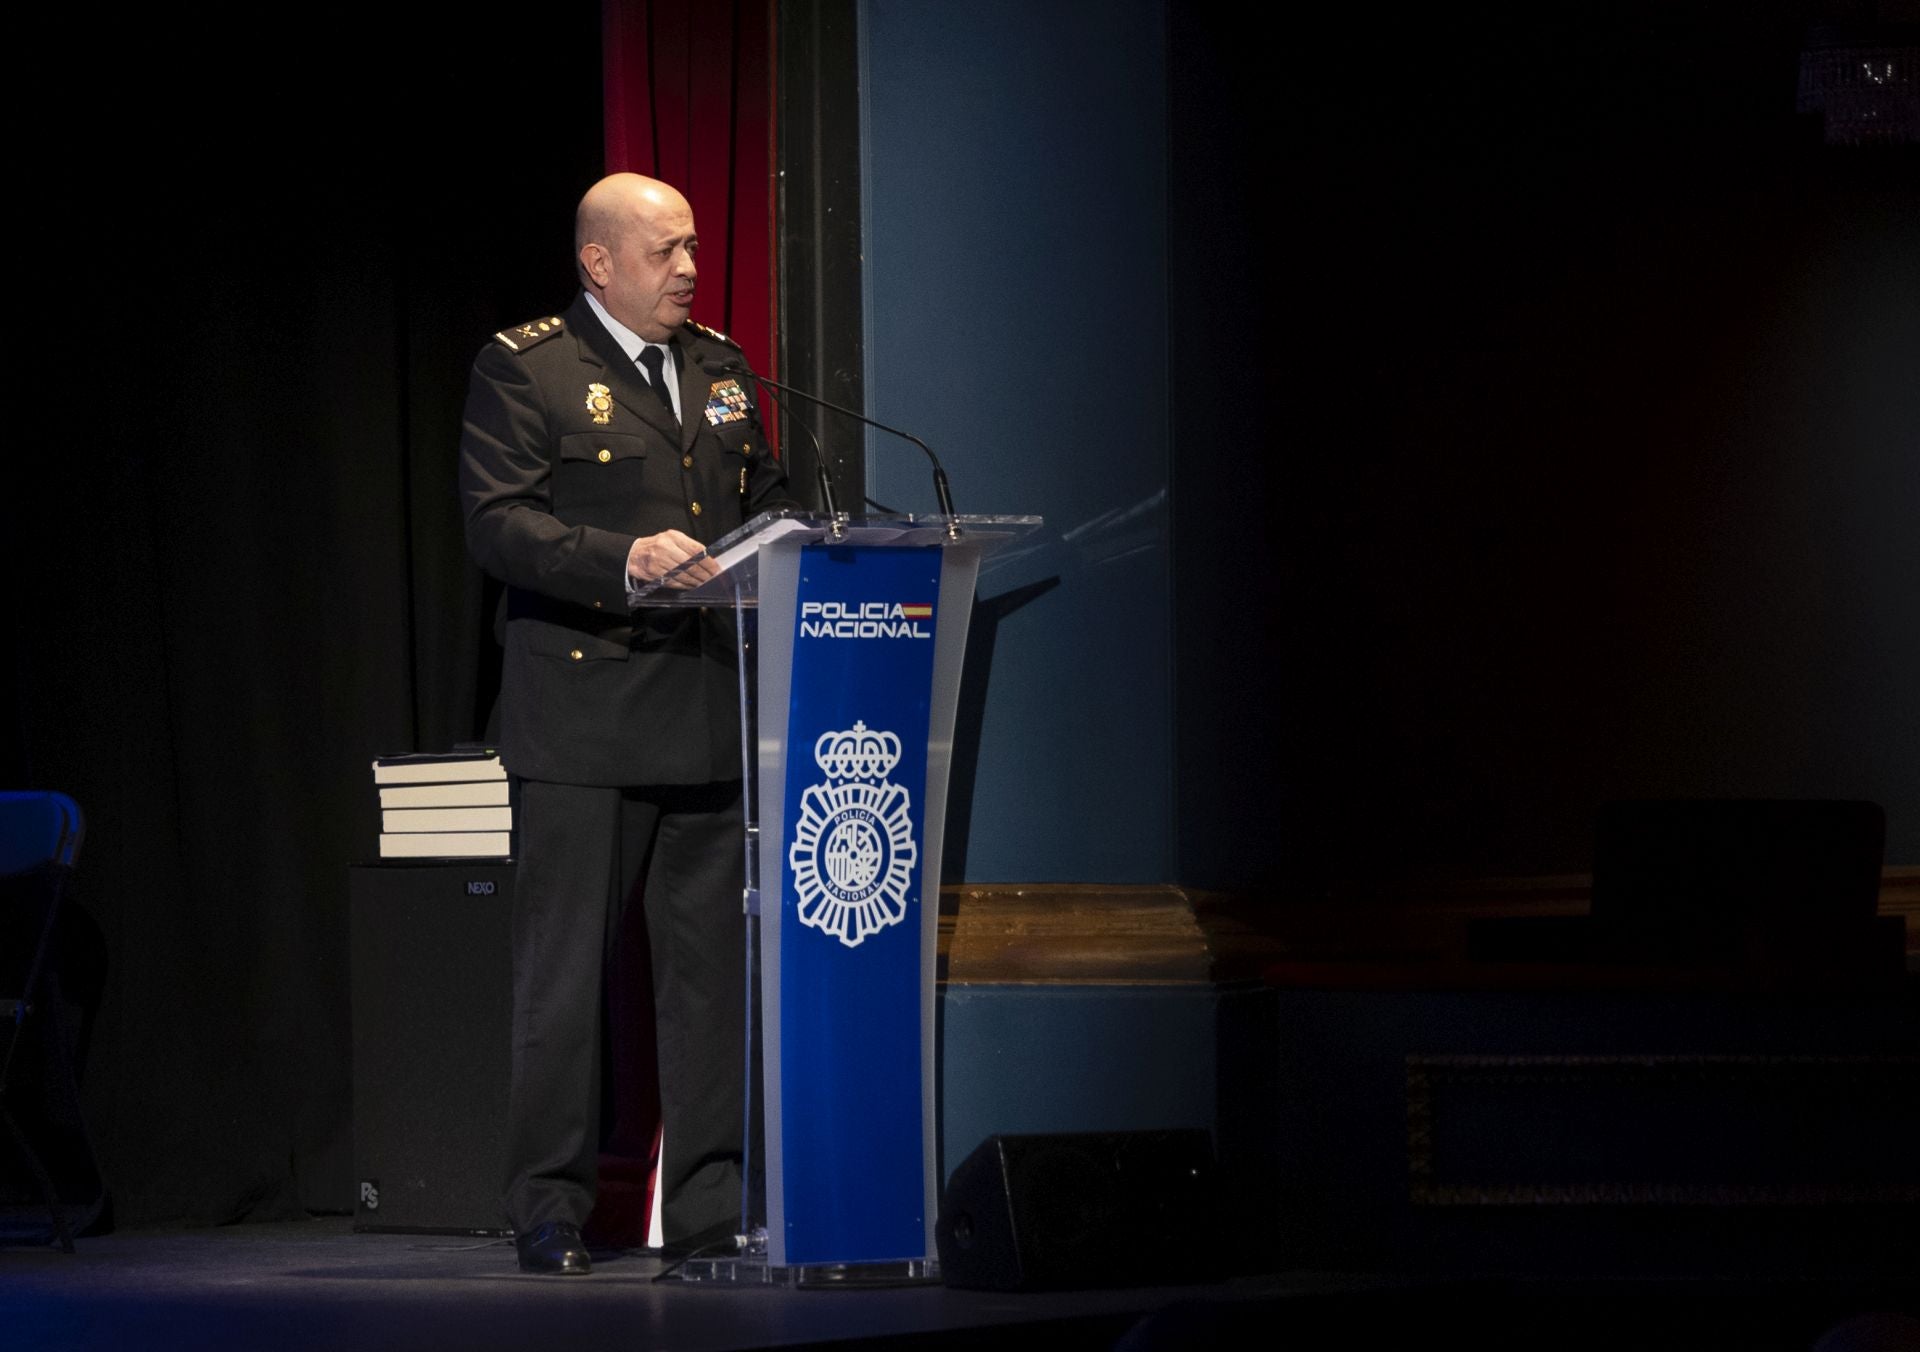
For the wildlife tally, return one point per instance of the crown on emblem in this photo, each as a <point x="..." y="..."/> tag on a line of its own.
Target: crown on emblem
<point x="857" y="753"/>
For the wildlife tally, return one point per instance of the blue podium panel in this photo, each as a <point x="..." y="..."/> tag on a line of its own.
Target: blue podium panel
<point x="852" y="1131"/>
<point x="853" y="632"/>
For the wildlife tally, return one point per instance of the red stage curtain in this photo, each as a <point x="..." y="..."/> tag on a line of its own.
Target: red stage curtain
<point x="689" y="99"/>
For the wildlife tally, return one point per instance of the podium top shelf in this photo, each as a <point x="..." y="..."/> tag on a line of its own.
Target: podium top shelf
<point x="738" y="552"/>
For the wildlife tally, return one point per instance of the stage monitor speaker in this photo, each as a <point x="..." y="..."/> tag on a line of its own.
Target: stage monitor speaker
<point x="1123" y="1208"/>
<point x="432" y="986"/>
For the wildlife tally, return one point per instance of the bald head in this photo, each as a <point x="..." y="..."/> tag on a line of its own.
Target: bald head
<point x="634" y="243"/>
<point x="608" y="211"/>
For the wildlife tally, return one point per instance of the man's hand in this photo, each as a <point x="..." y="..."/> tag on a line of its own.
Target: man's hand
<point x="653" y="556"/>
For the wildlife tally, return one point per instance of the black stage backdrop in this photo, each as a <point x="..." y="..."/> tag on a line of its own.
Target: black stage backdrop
<point x="1586" y="462"/>
<point x="1582" y="411"/>
<point x="254" y="287"/>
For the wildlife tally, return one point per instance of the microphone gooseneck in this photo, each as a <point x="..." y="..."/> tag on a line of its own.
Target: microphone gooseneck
<point x="738" y="366"/>
<point x="829" y="500"/>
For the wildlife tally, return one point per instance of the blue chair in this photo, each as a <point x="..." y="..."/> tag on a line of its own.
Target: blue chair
<point x="40" y="837"/>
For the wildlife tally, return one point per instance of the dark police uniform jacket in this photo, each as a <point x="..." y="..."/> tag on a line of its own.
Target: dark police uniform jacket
<point x="566" y="456"/>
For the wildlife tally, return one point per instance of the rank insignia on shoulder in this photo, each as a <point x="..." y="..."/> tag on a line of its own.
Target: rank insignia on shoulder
<point x="726" y="403"/>
<point x="714" y="334"/>
<point x="523" y="336"/>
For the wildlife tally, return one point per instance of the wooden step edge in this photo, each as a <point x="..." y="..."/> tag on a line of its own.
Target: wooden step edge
<point x="1169" y="935"/>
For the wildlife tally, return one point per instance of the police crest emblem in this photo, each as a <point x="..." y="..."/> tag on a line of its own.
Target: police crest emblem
<point x="853" y="850"/>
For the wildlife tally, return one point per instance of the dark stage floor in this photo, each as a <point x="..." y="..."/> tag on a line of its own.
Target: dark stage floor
<point x="288" y="1287"/>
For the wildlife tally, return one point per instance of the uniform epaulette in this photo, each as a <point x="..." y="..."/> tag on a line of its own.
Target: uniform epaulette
<point x="714" y="334"/>
<point x="523" y="336"/>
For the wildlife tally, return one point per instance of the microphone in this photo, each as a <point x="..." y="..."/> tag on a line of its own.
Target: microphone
<point x="827" y="498"/>
<point x="735" y="367"/>
<point x="827" y="501"/>
<point x="738" y="366"/>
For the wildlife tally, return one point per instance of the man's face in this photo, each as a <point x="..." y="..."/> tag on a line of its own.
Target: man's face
<point x="649" y="272"/>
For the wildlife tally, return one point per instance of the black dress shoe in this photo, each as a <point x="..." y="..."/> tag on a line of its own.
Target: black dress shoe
<point x="553" y="1247"/>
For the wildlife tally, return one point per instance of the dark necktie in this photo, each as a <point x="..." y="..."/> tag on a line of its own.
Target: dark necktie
<point x="654" y="360"/>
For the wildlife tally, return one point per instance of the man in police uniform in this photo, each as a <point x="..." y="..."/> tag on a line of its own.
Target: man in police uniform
<point x="600" y="451"/>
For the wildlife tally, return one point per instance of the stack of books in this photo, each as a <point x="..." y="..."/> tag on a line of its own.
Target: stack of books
<point x="446" y="806"/>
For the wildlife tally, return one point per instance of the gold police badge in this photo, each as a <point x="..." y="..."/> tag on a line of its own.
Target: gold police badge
<point x="600" y="403"/>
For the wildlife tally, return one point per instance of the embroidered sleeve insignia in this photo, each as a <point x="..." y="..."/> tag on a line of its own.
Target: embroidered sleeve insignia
<point x="714" y="334"/>
<point x="523" y="336"/>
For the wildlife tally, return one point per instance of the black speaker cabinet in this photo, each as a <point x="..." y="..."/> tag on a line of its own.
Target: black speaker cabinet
<point x="432" y="1014"/>
<point x="1124" y="1208"/>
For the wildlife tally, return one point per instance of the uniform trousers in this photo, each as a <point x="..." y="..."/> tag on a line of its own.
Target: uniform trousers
<point x="580" y="851"/>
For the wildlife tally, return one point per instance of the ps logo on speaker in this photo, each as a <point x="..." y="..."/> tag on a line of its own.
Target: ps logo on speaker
<point x="370" y="1193"/>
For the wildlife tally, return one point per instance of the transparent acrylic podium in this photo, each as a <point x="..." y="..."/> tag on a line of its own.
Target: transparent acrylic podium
<point x="852" y="634"/>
